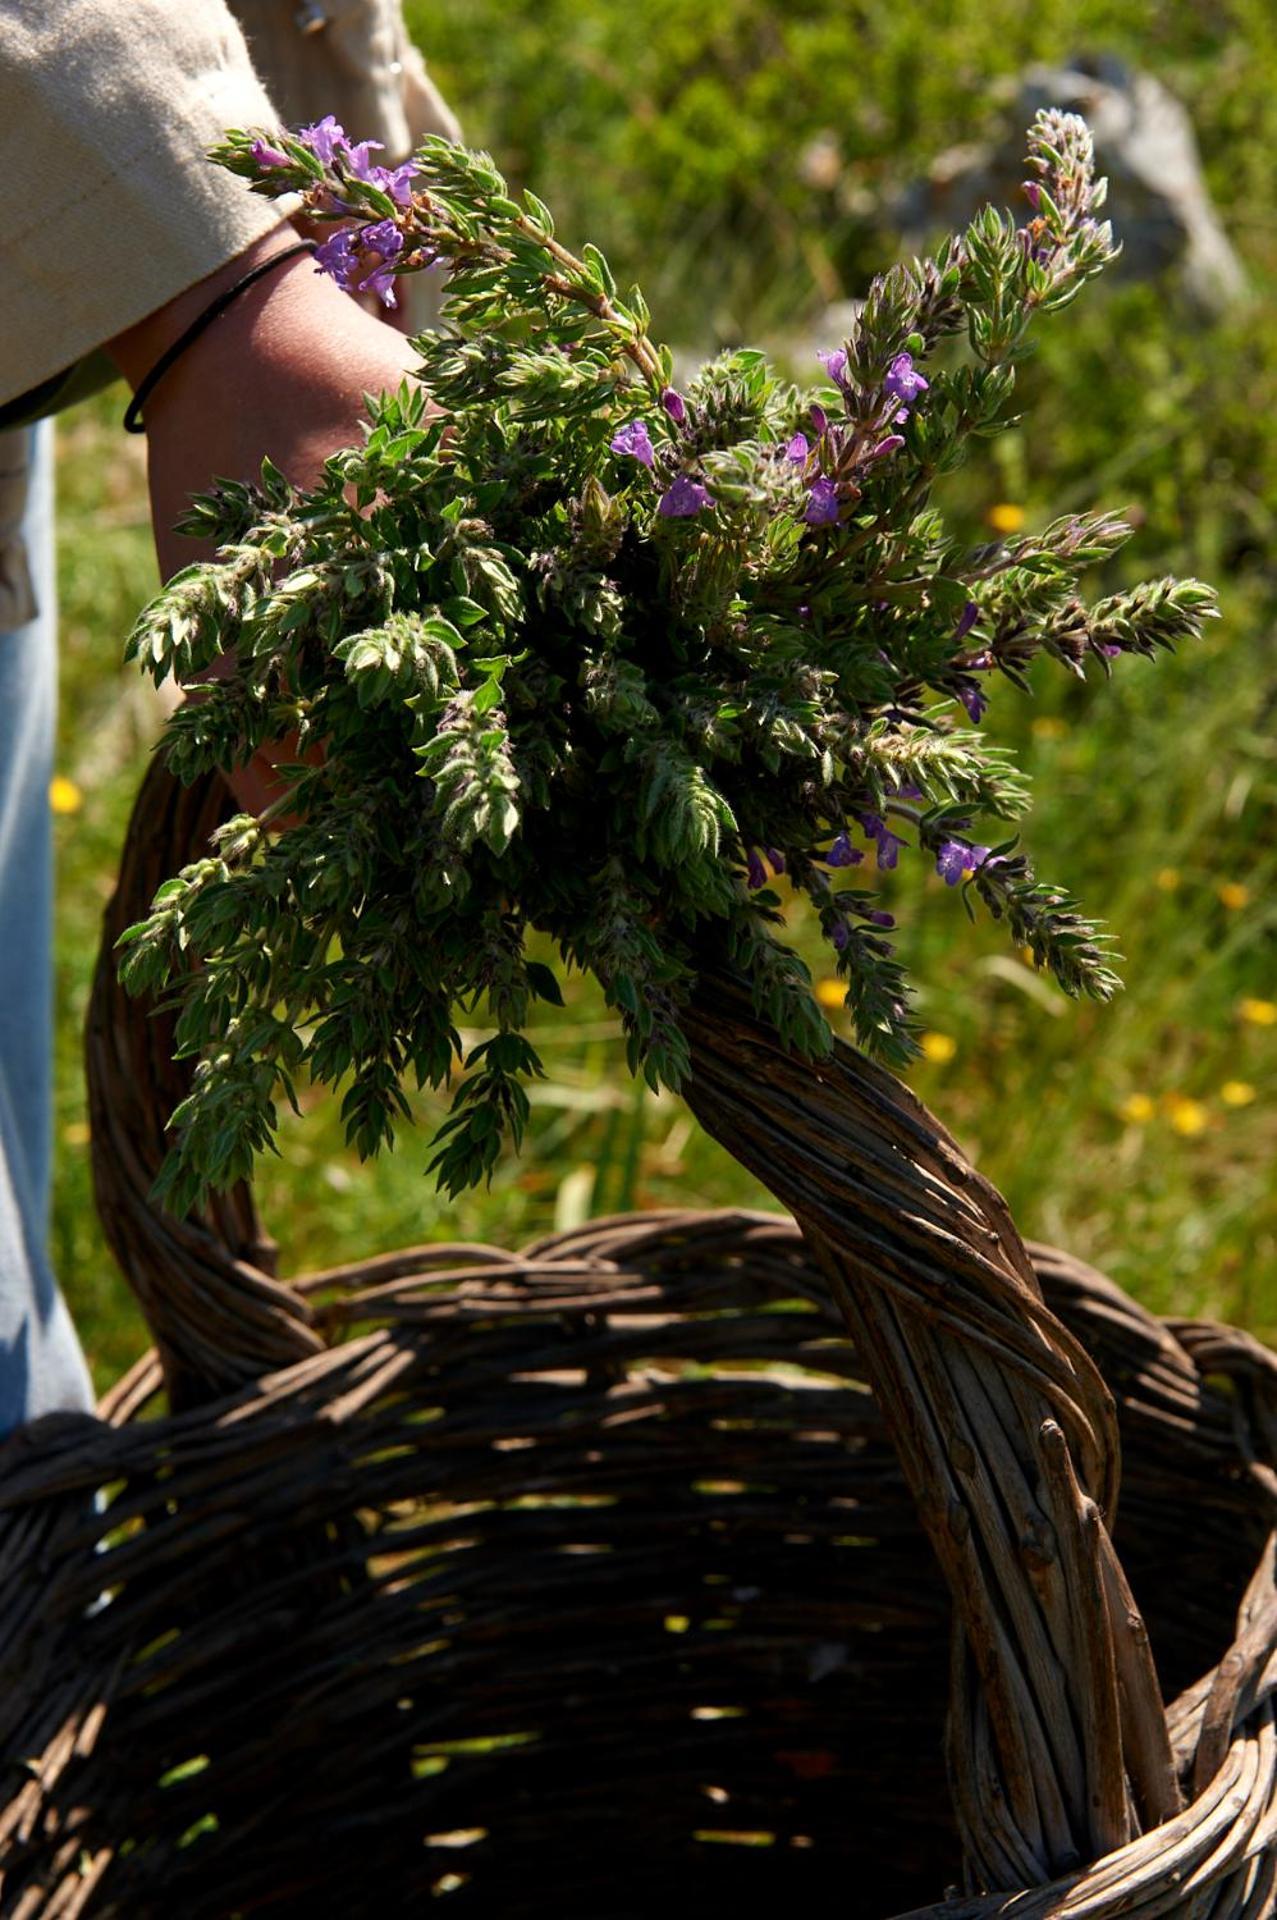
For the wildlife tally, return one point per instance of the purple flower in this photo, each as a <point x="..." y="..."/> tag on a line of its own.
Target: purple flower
<point x="974" y="699"/>
<point x="358" y="161"/>
<point x="337" y="258"/>
<point x="840" y="935"/>
<point x="903" y="382"/>
<point x="955" y="860"/>
<point x="970" y="614"/>
<point x="633" y="440"/>
<point x="889" y="445"/>
<point x="842" y="853"/>
<point x="1033" y="194"/>
<point x="268" y="156"/>
<point x="1108" y="649"/>
<point x="396" y="182"/>
<point x="756" y="872"/>
<point x="383" y="238"/>
<point x="881" y="919"/>
<point x="887" y="842"/>
<point x="380" y="281"/>
<point x="819" y="420"/>
<point x="951" y="861"/>
<point x="685" y="498"/>
<point x="325" y="138"/>
<point x="798" y="448"/>
<point x="822" y="503"/>
<point x="674" y="404"/>
<point x="835" y="365"/>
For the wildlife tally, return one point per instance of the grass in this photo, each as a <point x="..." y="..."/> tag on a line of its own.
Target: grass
<point x="1140" y="1135"/>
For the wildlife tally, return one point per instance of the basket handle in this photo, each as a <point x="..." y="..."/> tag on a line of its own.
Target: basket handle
<point x="204" y="1283"/>
<point x="1059" y="1749"/>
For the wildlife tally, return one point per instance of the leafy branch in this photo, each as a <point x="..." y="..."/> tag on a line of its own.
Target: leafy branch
<point x="606" y="659"/>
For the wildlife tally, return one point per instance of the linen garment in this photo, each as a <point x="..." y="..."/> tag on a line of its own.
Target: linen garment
<point x="107" y="109"/>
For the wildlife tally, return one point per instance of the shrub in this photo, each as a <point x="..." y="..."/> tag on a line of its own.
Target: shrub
<point x="595" y="656"/>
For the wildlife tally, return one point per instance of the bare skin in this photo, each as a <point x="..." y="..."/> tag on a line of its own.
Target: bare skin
<point x="282" y="372"/>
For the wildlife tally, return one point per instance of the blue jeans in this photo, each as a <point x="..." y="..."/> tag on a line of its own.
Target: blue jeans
<point x="42" y="1366"/>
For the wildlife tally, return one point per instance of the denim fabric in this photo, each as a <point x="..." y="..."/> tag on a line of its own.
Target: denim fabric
<point x="42" y="1366"/>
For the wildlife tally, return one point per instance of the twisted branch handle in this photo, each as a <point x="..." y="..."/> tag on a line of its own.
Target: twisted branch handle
<point x="1059" y="1751"/>
<point x="205" y="1283"/>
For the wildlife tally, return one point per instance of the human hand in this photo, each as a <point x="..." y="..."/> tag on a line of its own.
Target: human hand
<point x="282" y="371"/>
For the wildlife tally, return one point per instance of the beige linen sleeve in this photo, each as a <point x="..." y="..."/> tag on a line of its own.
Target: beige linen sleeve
<point x="107" y="109"/>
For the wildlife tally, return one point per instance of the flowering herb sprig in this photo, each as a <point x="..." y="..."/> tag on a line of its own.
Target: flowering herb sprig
<point x="602" y="657"/>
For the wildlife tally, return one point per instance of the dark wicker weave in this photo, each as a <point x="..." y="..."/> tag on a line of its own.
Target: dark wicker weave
<point x="586" y="1581"/>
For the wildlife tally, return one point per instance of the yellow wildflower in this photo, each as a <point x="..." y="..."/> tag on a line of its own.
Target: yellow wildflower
<point x="1005" y="517"/>
<point x="64" y="795"/>
<point x="831" y="994"/>
<point x="1168" y="879"/>
<point x="1260" y="1013"/>
<point x="1138" y="1109"/>
<point x="76" y="1133"/>
<point x="1233" y="895"/>
<point x="1049" y="726"/>
<point x="939" y="1048"/>
<point x="1186" y="1116"/>
<point x="1237" y="1093"/>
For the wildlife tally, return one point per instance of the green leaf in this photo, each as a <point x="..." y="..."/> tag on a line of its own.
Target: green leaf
<point x="465" y="613"/>
<point x="539" y="211"/>
<point x="600" y="271"/>
<point x="544" y="983"/>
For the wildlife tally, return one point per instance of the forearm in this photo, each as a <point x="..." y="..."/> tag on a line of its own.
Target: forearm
<point x="282" y="371"/>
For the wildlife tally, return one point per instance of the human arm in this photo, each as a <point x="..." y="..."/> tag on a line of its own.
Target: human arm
<point x="282" y="371"/>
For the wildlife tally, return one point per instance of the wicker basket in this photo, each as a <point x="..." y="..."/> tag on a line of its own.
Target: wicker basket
<point x="686" y="1558"/>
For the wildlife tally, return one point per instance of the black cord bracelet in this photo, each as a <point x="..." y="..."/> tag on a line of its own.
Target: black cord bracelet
<point x="133" y="421"/>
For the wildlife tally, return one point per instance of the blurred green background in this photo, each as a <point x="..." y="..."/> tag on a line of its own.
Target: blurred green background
<point x="739" y="159"/>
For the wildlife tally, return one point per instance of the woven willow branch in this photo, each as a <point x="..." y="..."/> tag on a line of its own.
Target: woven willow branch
<point x="1004" y="1429"/>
